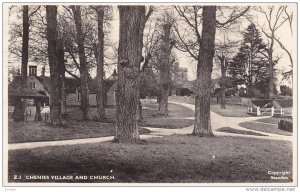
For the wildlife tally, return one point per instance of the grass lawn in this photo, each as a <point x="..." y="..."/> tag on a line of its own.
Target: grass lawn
<point x="73" y="128"/>
<point x="230" y="111"/>
<point x="172" y="159"/>
<point x="173" y="121"/>
<point x="231" y="130"/>
<point x="175" y="111"/>
<point x="271" y="120"/>
<point x="38" y="131"/>
<point x="167" y="123"/>
<point x="267" y="128"/>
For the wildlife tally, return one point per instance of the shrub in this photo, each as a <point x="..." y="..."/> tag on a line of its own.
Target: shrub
<point x="286" y="125"/>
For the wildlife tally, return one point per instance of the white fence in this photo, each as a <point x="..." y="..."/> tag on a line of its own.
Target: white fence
<point x="257" y="111"/>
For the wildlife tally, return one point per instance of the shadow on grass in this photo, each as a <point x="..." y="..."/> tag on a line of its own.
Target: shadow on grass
<point x="166" y="123"/>
<point x="231" y="130"/>
<point x="173" y="159"/>
<point x="267" y="128"/>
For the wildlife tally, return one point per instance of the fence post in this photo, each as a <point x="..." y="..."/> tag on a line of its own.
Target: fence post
<point x="45" y="117"/>
<point x="281" y="112"/>
<point x="258" y="111"/>
<point x="251" y="109"/>
<point x="272" y="111"/>
<point x="26" y="116"/>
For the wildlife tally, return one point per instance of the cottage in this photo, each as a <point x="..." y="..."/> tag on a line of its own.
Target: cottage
<point x="72" y="88"/>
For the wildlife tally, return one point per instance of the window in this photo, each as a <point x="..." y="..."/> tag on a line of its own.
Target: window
<point x="32" y="85"/>
<point x="32" y="70"/>
<point x="79" y="96"/>
<point x="115" y="94"/>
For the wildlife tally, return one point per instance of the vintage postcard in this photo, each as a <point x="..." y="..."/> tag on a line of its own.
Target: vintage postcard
<point x="150" y="94"/>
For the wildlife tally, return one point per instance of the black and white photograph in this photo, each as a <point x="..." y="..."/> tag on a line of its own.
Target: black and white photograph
<point x="150" y="94"/>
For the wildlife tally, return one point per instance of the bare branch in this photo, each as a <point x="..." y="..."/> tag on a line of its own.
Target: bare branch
<point x="73" y="75"/>
<point x="33" y="12"/>
<point x="232" y="18"/>
<point x="150" y="11"/>
<point x="186" y="48"/>
<point x="289" y="18"/>
<point x="285" y="49"/>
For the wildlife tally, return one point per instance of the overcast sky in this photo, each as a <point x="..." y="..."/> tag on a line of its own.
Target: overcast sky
<point x="283" y="33"/>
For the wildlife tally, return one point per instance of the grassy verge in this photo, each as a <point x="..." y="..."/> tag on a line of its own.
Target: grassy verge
<point x="39" y="131"/>
<point x="173" y="121"/>
<point x="74" y="128"/>
<point x="167" y="123"/>
<point x="230" y="111"/>
<point x="231" y="130"/>
<point x="173" y="159"/>
<point x="271" y="120"/>
<point x="267" y="128"/>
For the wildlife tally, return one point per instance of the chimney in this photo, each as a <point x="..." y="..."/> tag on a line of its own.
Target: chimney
<point x="32" y="70"/>
<point x="115" y="73"/>
<point x="43" y="72"/>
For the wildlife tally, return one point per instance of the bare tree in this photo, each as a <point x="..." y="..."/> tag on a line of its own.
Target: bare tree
<point x="275" y="19"/>
<point x="25" y="41"/>
<point x="201" y="48"/>
<point x="55" y="110"/>
<point x="148" y="48"/>
<point x="202" y="125"/>
<point x="289" y="16"/>
<point x="132" y="23"/>
<point x="61" y="64"/>
<point x="166" y="47"/>
<point x="99" y="54"/>
<point x="84" y="74"/>
<point x="224" y="64"/>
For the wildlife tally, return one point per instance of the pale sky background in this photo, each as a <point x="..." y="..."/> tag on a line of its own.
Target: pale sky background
<point x="283" y="33"/>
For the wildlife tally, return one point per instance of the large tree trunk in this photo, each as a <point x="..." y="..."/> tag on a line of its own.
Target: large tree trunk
<point x="222" y="82"/>
<point x="84" y="74"/>
<point x="99" y="53"/>
<point x="202" y="126"/>
<point x="55" y="110"/>
<point x="165" y="78"/>
<point x="164" y="95"/>
<point x="63" y="109"/>
<point x="139" y="105"/>
<point x="129" y="58"/>
<point x="25" y="40"/>
<point x="223" y="96"/>
<point x="38" y="115"/>
<point x="140" y="78"/>
<point x="19" y="110"/>
<point x="61" y="64"/>
<point x="271" y="74"/>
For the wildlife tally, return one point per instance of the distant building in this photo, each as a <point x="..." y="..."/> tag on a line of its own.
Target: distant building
<point x="180" y="74"/>
<point x="42" y="84"/>
<point x="181" y="85"/>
